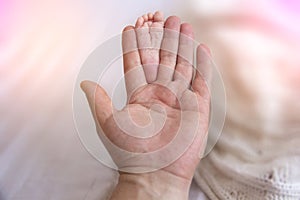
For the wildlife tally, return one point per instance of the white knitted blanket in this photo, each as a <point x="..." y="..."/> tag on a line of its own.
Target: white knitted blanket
<point x="258" y="154"/>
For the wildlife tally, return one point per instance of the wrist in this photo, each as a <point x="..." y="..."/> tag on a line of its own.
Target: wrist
<point x="154" y="185"/>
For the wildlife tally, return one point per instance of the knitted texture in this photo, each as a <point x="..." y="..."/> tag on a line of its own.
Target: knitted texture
<point x="257" y="156"/>
<point x="243" y="172"/>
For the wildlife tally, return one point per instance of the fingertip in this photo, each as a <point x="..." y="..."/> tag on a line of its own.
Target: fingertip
<point x="158" y="16"/>
<point x="91" y="88"/>
<point x="187" y="29"/>
<point x="128" y="28"/>
<point x="139" y="22"/>
<point x="145" y="16"/>
<point x="204" y="48"/>
<point x="173" y="20"/>
<point x="186" y="26"/>
<point x="87" y="85"/>
<point x="173" y="23"/>
<point x="150" y="16"/>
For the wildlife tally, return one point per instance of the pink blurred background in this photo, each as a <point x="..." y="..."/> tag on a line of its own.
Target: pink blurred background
<point x="44" y="43"/>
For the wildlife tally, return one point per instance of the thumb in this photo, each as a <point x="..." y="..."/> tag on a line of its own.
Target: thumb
<point x="100" y="103"/>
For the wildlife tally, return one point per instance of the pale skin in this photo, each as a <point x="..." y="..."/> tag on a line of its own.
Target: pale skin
<point x="162" y="83"/>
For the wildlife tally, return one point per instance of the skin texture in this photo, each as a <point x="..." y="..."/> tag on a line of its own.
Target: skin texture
<point x="157" y="57"/>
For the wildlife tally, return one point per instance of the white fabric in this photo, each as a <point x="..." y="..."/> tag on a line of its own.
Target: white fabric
<point x="258" y="155"/>
<point x="43" y="44"/>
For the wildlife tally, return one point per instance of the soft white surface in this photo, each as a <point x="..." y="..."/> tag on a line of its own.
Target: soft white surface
<point x="41" y="156"/>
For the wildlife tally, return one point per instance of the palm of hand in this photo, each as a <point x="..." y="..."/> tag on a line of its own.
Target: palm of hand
<point x="161" y="100"/>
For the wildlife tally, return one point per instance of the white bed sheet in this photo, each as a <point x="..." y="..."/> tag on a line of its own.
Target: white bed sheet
<point x="41" y="157"/>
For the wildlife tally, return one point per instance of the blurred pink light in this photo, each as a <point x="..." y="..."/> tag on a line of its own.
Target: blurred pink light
<point x="290" y="5"/>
